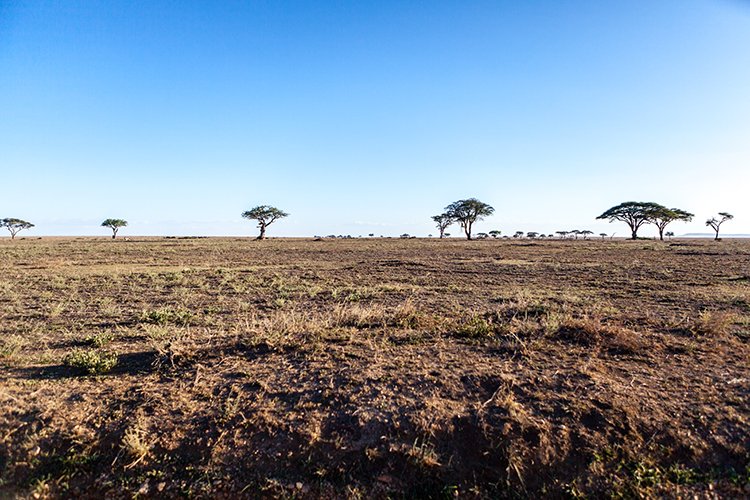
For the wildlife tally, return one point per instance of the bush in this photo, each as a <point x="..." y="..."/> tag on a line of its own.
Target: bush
<point x="167" y="315"/>
<point x="474" y="328"/>
<point x="92" y="362"/>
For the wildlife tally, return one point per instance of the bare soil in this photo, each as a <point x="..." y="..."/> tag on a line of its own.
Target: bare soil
<point x="229" y="368"/>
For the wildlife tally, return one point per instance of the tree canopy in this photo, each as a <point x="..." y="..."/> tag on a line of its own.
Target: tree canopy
<point x="15" y="225"/>
<point x="442" y="222"/>
<point x="663" y="216"/>
<point x="715" y="223"/>
<point x="632" y="213"/>
<point x="114" y="225"/>
<point x="265" y="215"/>
<point x="467" y="212"/>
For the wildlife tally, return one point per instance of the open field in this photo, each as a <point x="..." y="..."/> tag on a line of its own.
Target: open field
<point x="374" y="368"/>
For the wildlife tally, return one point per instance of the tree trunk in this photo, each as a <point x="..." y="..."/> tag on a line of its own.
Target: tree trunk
<point x="114" y="233"/>
<point x="467" y="230"/>
<point x="717" y="234"/>
<point x="661" y="233"/>
<point x="262" y="234"/>
<point x="635" y="234"/>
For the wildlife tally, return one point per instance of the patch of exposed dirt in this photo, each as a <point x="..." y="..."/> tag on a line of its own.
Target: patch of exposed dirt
<point x="374" y="368"/>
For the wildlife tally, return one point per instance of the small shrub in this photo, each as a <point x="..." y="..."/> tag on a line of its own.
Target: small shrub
<point x="92" y="362"/>
<point x="474" y="328"/>
<point x="167" y="315"/>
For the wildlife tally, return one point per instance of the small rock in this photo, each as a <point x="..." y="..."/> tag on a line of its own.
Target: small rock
<point x="144" y="489"/>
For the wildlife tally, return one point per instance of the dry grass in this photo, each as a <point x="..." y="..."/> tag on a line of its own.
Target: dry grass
<point x="374" y="368"/>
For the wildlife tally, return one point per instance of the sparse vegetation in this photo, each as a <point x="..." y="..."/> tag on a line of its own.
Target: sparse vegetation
<point x="100" y="339"/>
<point x="384" y="367"/>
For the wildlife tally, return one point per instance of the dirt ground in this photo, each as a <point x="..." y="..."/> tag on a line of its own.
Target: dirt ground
<point x="373" y="368"/>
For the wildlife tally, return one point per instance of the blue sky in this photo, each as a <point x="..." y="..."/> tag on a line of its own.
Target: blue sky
<point x="370" y="117"/>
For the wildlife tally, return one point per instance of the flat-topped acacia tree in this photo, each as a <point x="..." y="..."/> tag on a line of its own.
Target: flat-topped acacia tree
<point x="715" y="223"/>
<point x="265" y="215"/>
<point x="663" y="216"/>
<point x="467" y="212"/>
<point x="15" y="225"/>
<point x="633" y="213"/>
<point x="114" y="225"/>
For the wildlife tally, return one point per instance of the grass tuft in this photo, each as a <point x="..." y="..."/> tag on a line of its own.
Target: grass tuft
<point x="99" y="340"/>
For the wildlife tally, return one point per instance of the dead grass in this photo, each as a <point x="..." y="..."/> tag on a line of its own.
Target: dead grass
<point x="373" y="368"/>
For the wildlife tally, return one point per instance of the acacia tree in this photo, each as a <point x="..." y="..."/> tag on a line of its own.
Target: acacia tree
<point x="15" y="225"/>
<point x="716" y="223"/>
<point x="663" y="216"/>
<point x="586" y="233"/>
<point x="443" y="221"/>
<point x="495" y="233"/>
<point x="265" y="215"/>
<point x="669" y="234"/>
<point x="632" y="213"/>
<point x="114" y="225"/>
<point x="467" y="212"/>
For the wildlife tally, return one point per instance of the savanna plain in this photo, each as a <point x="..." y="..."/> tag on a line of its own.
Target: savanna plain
<point x="374" y="368"/>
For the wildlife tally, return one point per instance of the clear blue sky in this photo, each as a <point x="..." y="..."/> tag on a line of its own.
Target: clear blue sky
<point x="369" y="117"/>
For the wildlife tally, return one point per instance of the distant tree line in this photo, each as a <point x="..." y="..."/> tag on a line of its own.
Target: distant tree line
<point x="466" y="212"/>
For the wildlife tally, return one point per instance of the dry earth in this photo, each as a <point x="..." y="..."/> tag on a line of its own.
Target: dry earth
<point x="374" y="368"/>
